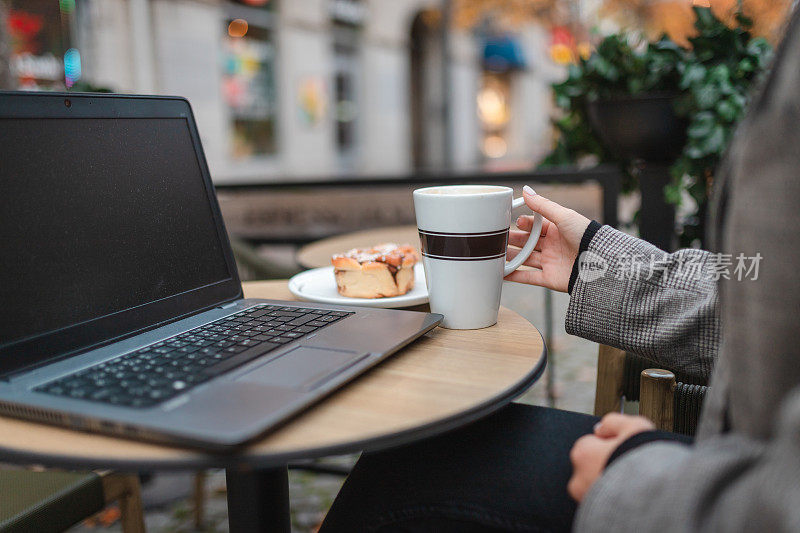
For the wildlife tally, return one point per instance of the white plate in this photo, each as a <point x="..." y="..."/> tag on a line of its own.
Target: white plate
<point x="319" y="285"/>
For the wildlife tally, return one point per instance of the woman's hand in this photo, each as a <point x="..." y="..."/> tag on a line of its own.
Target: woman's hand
<point x="590" y="453"/>
<point x="558" y="245"/>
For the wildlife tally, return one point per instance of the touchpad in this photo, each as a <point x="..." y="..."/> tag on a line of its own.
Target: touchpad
<point x="301" y="367"/>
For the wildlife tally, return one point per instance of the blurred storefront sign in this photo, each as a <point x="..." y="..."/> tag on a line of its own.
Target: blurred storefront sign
<point x="26" y="66"/>
<point x="40" y="32"/>
<point x="311" y="100"/>
<point x="502" y="53"/>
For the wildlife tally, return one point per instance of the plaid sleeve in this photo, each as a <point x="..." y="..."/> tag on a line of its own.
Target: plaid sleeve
<point x="662" y="306"/>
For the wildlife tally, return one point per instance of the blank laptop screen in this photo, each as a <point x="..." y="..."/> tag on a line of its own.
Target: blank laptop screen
<point x="99" y="216"/>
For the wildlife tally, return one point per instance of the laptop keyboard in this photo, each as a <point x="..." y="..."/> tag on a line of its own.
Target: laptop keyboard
<point x="168" y="368"/>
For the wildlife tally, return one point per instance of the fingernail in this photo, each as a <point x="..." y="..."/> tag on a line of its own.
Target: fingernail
<point x="519" y="222"/>
<point x="527" y="190"/>
<point x="596" y="427"/>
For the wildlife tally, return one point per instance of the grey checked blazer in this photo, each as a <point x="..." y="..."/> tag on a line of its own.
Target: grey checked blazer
<point x="743" y="472"/>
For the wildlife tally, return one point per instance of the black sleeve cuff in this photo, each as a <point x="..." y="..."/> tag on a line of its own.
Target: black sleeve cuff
<point x="644" y="438"/>
<point x="585" y="240"/>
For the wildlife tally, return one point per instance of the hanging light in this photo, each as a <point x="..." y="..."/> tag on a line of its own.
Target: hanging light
<point x="237" y="28"/>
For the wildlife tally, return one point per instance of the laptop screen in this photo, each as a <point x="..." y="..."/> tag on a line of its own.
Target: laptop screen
<point x="100" y="215"/>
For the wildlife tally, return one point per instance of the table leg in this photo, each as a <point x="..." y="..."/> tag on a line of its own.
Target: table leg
<point x="258" y="500"/>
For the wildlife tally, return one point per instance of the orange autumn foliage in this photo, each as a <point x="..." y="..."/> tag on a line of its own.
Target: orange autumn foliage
<point x="676" y="18"/>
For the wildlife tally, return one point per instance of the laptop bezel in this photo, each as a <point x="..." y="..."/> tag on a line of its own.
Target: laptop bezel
<point x="46" y="347"/>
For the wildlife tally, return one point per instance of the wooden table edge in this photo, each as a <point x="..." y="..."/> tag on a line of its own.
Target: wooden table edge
<point x="197" y="458"/>
<point x="201" y="460"/>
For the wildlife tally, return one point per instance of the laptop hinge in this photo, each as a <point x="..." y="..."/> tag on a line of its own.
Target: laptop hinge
<point x="227" y="306"/>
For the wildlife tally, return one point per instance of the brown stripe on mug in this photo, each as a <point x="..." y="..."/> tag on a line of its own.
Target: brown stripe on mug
<point x="464" y="246"/>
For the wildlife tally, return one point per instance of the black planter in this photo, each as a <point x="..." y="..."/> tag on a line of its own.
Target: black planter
<point x="639" y="127"/>
<point x="644" y="127"/>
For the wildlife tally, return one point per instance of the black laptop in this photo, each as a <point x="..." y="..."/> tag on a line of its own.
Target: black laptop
<point x="122" y="311"/>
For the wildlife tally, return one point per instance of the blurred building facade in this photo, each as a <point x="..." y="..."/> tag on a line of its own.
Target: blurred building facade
<point x="289" y="89"/>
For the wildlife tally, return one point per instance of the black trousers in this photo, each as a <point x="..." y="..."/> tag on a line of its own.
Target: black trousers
<point x="506" y="472"/>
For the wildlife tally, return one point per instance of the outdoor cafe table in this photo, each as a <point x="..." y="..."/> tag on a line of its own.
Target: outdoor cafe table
<point x="444" y="380"/>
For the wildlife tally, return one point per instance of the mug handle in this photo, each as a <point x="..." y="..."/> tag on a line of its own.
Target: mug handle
<point x="526" y="251"/>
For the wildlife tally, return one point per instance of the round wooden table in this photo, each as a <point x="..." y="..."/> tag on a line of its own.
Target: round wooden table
<point x="318" y="253"/>
<point x="444" y="380"/>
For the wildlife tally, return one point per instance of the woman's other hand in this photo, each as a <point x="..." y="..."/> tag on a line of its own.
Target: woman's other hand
<point x="590" y="453"/>
<point x="558" y="244"/>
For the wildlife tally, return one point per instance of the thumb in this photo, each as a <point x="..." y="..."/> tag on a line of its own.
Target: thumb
<point x="548" y="208"/>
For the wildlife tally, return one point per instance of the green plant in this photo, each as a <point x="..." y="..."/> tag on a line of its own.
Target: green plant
<point x="712" y="80"/>
<point x="716" y="82"/>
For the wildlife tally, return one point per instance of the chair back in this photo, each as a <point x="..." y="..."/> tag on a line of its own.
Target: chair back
<point x="672" y="400"/>
<point x="688" y="402"/>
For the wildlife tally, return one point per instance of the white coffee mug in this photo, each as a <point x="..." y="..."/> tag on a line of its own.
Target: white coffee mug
<point x="463" y="231"/>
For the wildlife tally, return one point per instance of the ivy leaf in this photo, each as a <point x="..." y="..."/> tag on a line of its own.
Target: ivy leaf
<point x="692" y="74"/>
<point x="726" y="110"/>
<point x="701" y="126"/>
<point x="706" y="96"/>
<point x="715" y="142"/>
<point x="606" y="69"/>
<point x="694" y="152"/>
<point x="746" y="65"/>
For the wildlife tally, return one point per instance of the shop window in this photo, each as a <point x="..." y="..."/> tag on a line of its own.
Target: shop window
<point x="345" y="87"/>
<point x="249" y="80"/>
<point x="494" y="113"/>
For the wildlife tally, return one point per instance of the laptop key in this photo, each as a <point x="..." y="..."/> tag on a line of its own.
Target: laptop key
<point x="240" y="359"/>
<point x="302" y="320"/>
<point x="248" y="342"/>
<point x="234" y="349"/>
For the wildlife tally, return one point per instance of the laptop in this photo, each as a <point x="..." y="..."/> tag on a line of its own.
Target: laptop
<point x="122" y="311"/>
